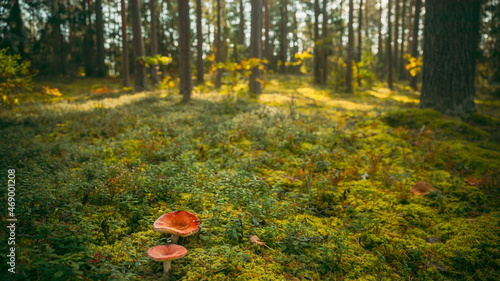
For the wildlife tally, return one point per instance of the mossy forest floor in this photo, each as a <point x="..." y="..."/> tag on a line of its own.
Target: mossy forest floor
<point x="322" y="178"/>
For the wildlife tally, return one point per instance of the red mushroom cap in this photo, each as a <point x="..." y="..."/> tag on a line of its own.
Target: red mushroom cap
<point x="421" y="188"/>
<point x="167" y="252"/>
<point x="182" y="223"/>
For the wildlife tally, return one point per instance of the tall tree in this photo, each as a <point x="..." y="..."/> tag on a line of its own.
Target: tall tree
<point x="141" y="83"/>
<point x="414" y="42"/>
<point x="153" y="41"/>
<point x="101" y="53"/>
<point x="199" y="45"/>
<point x="218" y="47"/>
<point x="185" y="71"/>
<point x="397" y="55"/>
<point x="451" y="35"/>
<point x="267" y="21"/>
<point x="283" y="35"/>
<point x="360" y="39"/>
<point x="125" y="67"/>
<point x="401" y="70"/>
<point x="389" y="46"/>
<point x="380" y="51"/>
<point x="350" y="49"/>
<point x="255" y="83"/>
<point x="317" y="53"/>
<point x="325" y="46"/>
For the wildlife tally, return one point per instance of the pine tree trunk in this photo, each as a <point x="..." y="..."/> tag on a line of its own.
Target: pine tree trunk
<point x="317" y="48"/>
<point x="125" y="66"/>
<point x="101" y="54"/>
<point x="380" y="51"/>
<point x="154" y="41"/>
<point x="401" y="70"/>
<point x="218" y="47"/>
<point x="350" y="49"/>
<point x="255" y="83"/>
<point x="324" y="46"/>
<point x="389" y="46"/>
<point x="414" y="44"/>
<point x="199" y="45"/>
<point x="141" y="83"/>
<point x="451" y="36"/>
<point x="241" y="23"/>
<point x="283" y="36"/>
<point x="360" y="40"/>
<point x="185" y="71"/>
<point x="397" y="55"/>
<point x="267" y="20"/>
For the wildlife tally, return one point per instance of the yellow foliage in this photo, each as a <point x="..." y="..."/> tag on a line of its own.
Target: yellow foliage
<point x="414" y="64"/>
<point x="103" y="90"/>
<point x="46" y="90"/>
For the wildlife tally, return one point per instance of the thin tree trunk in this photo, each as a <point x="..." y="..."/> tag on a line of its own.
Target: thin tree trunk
<point x="199" y="45"/>
<point x="284" y="33"/>
<point x="154" y="41"/>
<point x="141" y="83"/>
<point x="350" y="49"/>
<point x="101" y="54"/>
<point x="255" y="83"/>
<point x="414" y="44"/>
<point x="324" y="46"/>
<point x="185" y="71"/>
<point x="125" y="66"/>
<point x="360" y="39"/>
<point x="380" y="52"/>
<point x="451" y="36"/>
<point x="403" y="41"/>
<point x="389" y="46"/>
<point x="317" y="48"/>
<point x="241" y="23"/>
<point x="218" y="46"/>
<point x="396" y="38"/>
<point x="267" y="20"/>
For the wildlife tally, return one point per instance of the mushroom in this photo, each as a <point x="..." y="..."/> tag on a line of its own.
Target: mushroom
<point x="166" y="253"/>
<point x="178" y="223"/>
<point x="421" y="188"/>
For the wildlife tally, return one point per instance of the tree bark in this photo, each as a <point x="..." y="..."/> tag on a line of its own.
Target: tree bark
<point x="360" y="40"/>
<point x="401" y="70"/>
<point x="125" y="67"/>
<point x="350" y="49"/>
<point x="380" y="51"/>
<point x="324" y="46"/>
<point x="395" y="61"/>
<point x="255" y="83"/>
<point x="451" y="36"/>
<point x="185" y="71"/>
<point x="101" y="54"/>
<point x="283" y="36"/>
<point x="199" y="45"/>
<point x="267" y="20"/>
<point x="317" y="48"/>
<point x="218" y="47"/>
<point x="414" y="44"/>
<point x="141" y="83"/>
<point x="389" y="46"/>
<point x="154" y="41"/>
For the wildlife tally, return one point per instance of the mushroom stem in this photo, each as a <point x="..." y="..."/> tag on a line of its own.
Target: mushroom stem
<point x="174" y="238"/>
<point x="166" y="266"/>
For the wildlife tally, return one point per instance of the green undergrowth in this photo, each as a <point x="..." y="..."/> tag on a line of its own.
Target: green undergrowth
<point x="323" y="179"/>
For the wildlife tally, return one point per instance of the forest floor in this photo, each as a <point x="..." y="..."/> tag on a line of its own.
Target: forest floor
<point x="323" y="179"/>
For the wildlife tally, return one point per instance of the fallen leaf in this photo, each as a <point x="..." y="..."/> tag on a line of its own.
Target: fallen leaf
<point x="256" y="240"/>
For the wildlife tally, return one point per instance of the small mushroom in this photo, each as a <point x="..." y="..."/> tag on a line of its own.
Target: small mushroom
<point x="421" y="188"/>
<point x="178" y="223"/>
<point x="166" y="253"/>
